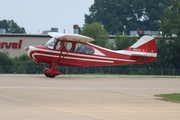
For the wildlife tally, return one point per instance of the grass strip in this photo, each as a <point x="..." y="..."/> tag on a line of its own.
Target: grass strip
<point x="173" y="97"/>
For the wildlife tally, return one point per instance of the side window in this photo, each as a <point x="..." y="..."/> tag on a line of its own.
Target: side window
<point x="83" y="48"/>
<point x="58" y="45"/>
<point x="68" y="46"/>
<point x="88" y="50"/>
<point x="63" y="46"/>
<point x="79" y="47"/>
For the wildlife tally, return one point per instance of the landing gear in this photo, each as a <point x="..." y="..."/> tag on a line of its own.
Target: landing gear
<point x="48" y="75"/>
<point x="51" y="72"/>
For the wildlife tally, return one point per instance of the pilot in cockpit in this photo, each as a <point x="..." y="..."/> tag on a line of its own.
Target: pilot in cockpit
<point x="62" y="46"/>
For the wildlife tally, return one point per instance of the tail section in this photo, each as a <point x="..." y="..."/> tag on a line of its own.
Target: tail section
<point x="145" y="47"/>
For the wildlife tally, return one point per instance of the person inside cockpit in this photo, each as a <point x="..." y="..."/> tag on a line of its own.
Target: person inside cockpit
<point x="62" y="46"/>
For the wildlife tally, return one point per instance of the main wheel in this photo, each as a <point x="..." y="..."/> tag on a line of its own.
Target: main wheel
<point x="50" y="76"/>
<point x="51" y="73"/>
<point x="46" y="75"/>
<point x="45" y="70"/>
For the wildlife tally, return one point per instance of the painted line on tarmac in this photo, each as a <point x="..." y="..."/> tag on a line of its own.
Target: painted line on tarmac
<point x="51" y="108"/>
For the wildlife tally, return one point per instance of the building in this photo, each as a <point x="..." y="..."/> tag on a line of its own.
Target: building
<point x="14" y="44"/>
<point x="146" y="32"/>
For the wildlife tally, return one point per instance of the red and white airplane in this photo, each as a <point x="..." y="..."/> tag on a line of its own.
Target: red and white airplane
<point x="74" y="50"/>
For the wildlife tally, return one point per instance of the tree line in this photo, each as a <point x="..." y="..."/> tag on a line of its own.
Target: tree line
<point x="128" y="15"/>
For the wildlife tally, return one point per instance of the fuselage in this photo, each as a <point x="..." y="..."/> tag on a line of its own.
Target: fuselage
<point x="99" y="57"/>
<point x="75" y="51"/>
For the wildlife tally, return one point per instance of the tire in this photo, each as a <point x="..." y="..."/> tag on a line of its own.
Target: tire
<point x="46" y="75"/>
<point x="49" y="76"/>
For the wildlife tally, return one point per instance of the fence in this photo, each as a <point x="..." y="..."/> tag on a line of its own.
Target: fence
<point x="89" y="70"/>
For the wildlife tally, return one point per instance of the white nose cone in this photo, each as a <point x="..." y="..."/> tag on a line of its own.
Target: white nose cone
<point x="29" y="50"/>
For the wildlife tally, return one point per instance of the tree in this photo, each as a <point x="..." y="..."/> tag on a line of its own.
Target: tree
<point x="97" y="31"/>
<point x="170" y="23"/>
<point x="11" y="27"/>
<point x="126" y="15"/>
<point x="5" y="61"/>
<point x="46" y="31"/>
<point x="123" y="42"/>
<point x="23" y="64"/>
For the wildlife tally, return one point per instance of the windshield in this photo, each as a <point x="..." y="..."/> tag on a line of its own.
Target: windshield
<point x="50" y="43"/>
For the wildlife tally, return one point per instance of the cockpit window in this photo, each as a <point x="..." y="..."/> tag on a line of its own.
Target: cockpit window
<point x="83" y="48"/>
<point x="69" y="46"/>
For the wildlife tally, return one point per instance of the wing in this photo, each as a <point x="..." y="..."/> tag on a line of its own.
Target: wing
<point x="54" y="34"/>
<point x="71" y="37"/>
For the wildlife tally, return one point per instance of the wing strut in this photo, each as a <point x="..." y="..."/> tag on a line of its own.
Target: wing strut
<point x="61" y="56"/>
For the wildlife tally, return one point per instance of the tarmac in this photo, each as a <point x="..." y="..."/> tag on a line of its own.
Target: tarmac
<point x="87" y="97"/>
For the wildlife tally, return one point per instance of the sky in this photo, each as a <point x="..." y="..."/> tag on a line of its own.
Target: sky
<point x="39" y="15"/>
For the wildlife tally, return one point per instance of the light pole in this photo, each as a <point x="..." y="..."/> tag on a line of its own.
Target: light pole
<point x="124" y="30"/>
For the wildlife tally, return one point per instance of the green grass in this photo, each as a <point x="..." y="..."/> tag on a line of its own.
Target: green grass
<point x="173" y="97"/>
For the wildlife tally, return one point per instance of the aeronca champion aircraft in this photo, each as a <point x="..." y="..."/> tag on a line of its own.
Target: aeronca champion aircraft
<point x="74" y="50"/>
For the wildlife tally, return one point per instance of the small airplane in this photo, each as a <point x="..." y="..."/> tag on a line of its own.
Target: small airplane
<point x="74" y="50"/>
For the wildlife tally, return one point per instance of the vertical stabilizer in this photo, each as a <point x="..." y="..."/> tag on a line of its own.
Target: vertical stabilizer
<point x="145" y="46"/>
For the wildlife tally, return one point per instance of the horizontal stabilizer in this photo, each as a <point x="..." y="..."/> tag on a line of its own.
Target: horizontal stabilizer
<point x="138" y="54"/>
